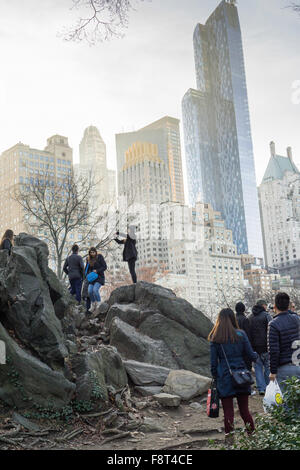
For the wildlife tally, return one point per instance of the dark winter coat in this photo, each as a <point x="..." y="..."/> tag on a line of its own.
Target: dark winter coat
<point x="259" y="321"/>
<point x="284" y="329"/>
<point x="74" y="267"/>
<point x="130" y="251"/>
<point x="6" y="245"/>
<point x="100" y="266"/>
<point x="237" y="355"/>
<point x="244" y="325"/>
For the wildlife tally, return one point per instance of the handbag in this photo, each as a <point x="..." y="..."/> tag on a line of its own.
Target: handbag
<point x="91" y="277"/>
<point x="213" y="402"/>
<point x="241" y="377"/>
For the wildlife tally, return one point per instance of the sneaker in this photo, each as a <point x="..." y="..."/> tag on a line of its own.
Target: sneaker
<point x="253" y="392"/>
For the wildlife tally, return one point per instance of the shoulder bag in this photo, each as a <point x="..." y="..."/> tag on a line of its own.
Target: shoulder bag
<point x="241" y="377"/>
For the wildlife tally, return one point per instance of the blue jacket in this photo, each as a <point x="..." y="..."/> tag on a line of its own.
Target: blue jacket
<point x="237" y="355"/>
<point x="284" y="329"/>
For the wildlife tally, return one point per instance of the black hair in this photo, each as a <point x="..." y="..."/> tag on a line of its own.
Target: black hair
<point x="282" y="301"/>
<point x="240" y="307"/>
<point x="75" y="248"/>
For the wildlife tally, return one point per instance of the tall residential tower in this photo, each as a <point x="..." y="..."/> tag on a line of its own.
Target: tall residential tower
<point x="218" y="143"/>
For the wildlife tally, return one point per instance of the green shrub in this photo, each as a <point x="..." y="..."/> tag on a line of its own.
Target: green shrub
<point x="279" y="429"/>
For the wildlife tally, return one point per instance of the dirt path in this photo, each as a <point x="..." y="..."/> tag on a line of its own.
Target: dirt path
<point x="184" y="428"/>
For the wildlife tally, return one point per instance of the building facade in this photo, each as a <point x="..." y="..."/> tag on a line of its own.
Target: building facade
<point x="279" y="196"/>
<point x="165" y="134"/>
<point x="218" y="143"/>
<point x="24" y="165"/>
<point x="93" y="163"/>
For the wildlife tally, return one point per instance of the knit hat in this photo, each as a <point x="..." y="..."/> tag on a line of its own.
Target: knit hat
<point x="261" y="302"/>
<point x="240" y="307"/>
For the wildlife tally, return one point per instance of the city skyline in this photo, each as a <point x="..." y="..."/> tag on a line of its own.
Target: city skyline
<point x="42" y="74"/>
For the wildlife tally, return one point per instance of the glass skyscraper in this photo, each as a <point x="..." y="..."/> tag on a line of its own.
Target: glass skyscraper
<point x="218" y="143"/>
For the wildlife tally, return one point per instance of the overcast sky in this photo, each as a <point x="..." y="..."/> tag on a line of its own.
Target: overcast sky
<point x="48" y="86"/>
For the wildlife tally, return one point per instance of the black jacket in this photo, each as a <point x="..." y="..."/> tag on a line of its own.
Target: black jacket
<point x="6" y="245"/>
<point x="259" y="321"/>
<point x="100" y="266"/>
<point x="244" y="325"/>
<point x="284" y="329"/>
<point x="130" y="251"/>
<point x="74" y="267"/>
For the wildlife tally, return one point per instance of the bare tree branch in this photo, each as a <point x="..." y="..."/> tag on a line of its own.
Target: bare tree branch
<point x="104" y="20"/>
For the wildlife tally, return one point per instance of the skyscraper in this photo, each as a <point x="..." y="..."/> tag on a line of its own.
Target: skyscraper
<point x="218" y="143"/>
<point x="280" y="214"/>
<point x="92" y="152"/>
<point x="166" y="135"/>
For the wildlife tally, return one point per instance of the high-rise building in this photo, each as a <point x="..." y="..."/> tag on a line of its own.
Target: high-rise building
<point x="24" y="165"/>
<point x="279" y="196"/>
<point x="92" y="152"/>
<point x="200" y="248"/>
<point x="218" y="143"/>
<point x="144" y="183"/>
<point x="165" y="134"/>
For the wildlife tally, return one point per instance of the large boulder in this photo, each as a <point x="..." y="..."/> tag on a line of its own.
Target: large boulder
<point x="26" y="381"/>
<point x="133" y="345"/>
<point x="146" y="374"/>
<point x="148" y="323"/>
<point x="191" y="352"/>
<point x="186" y="384"/>
<point x="114" y="369"/>
<point x="27" y="305"/>
<point x="90" y="377"/>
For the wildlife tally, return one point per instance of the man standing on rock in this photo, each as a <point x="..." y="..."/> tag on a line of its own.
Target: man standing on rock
<point x="74" y="268"/>
<point x="130" y="251"/>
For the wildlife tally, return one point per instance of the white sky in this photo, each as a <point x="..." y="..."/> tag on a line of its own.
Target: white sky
<point x="48" y="86"/>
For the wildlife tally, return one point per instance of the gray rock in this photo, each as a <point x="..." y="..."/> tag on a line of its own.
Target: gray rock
<point x="196" y="406"/>
<point x="101" y="311"/>
<point x="26" y="423"/>
<point x="191" y="351"/>
<point x="168" y="400"/>
<point x="173" y="307"/>
<point x="90" y="377"/>
<point x="124" y="294"/>
<point x="150" y="425"/>
<point x="72" y="347"/>
<point x="129" y="313"/>
<point x="133" y="345"/>
<point x="25" y="380"/>
<point x="148" y="391"/>
<point x="186" y="384"/>
<point x="146" y="374"/>
<point x="26" y="302"/>
<point x="114" y="370"/>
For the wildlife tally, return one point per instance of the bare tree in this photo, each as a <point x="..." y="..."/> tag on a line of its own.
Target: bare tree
<point x="295" y="6"/>
<point x="104" y="19"/>
<point x="61" y="213"/>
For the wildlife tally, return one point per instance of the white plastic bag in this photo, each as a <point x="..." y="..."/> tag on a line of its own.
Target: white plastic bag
<point x="273" y="395"/>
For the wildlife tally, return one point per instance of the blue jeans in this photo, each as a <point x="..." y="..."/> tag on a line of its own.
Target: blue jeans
<point x="286" y="371"/>
<point x="76" y="285"/>
<point x="94" y="292"/>
<point x="262" y="371"/>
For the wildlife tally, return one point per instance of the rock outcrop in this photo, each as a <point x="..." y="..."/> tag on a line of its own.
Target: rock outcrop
<point x="56" y="354"/>
<point x="149" y="324"/>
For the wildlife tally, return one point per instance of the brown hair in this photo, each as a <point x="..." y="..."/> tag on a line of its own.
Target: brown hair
<point x="91" y="260"/>
<point x="9" y="234"/>
<point x="225" y="328"/>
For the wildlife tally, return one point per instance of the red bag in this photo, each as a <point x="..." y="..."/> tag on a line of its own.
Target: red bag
<point x="213" y="405"/>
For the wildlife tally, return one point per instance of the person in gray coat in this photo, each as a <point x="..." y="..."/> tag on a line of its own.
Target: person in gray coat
<point x="74" y="268"/>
